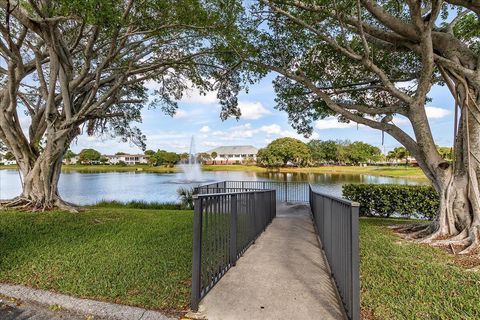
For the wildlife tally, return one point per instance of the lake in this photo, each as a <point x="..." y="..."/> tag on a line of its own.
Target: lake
<point x="89" y="188"/>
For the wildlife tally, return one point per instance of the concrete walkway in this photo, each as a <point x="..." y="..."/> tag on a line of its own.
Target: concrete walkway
<point x="282" y="276"/>
<point x="34" y="304"/>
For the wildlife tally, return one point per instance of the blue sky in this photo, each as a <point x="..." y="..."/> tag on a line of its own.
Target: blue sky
<point x="260" y="123"/>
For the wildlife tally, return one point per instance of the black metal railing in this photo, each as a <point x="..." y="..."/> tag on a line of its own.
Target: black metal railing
<point x="212" y="189"/>
<point x="336" y="222"/>
<point x="225" y="225"/>
<point x="286" y="191"/>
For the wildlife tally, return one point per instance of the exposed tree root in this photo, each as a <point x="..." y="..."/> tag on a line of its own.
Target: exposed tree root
<point x="414" y="231"/>
<point x="473" y="236"/>
<point x="26" y="204"/>
<point x="430" y="237"/>
<point x="467" y="241"/>
<point x="406" y="228"/>
<point x="460" y="239"/>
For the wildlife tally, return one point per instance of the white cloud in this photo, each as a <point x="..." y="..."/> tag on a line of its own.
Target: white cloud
<point x="25" y="122"/>
<point x="179" y="114"/>
<point x="295" y="135"/>
<point x="436" y="113"/>
<point x="406" y="84"/>
<point x="205" y="129"/>
<point x="191" y="95"/>
<point x="252" y="110"/>
<point x="271" y="129"/>
<point x="400" y="121"/>
<point x="151" y="85"/>
<point x="315" y="135"/>
<point x="209" y="144"/>
<point x="194" y="96"/>
<point x="332" y="123"/>
<point x="236" y="133"/>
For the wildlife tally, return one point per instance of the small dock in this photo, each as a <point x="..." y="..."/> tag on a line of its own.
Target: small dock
<point x="283" y="275"/>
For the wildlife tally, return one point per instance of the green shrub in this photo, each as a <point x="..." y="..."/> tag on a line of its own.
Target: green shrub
<point x="185" y="194"/>
<point x="386" y="199"/>
<point x="136" y="204"/>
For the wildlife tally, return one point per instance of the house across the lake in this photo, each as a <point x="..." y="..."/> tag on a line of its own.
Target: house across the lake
<point x="233" y="154"/>
<point x="72" y="160"/>
<point x="6" y="162"/>
<point x="127" y="158"/>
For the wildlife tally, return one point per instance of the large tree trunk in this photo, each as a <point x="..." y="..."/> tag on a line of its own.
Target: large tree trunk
<point x="40" y="184"/>
<point x="457" y="224"/>
<point x="40" y="175"/>
<point x="458" y="221"/>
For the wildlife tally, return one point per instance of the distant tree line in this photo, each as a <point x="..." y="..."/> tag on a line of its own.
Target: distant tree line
<point x="155" y="158"/>
<point x="293" y="152"/>
<point x="280" y="152"/>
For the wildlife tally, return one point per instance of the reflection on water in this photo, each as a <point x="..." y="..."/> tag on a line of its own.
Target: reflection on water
<point x="88" y="188"/>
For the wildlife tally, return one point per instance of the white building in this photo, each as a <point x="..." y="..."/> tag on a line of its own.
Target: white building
<point x="127" y="158"/>
<point x="6" y="162"/>
<point x="234" y="154"/>
<point x="72" y="160"/>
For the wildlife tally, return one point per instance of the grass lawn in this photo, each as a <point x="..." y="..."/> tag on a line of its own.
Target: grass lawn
<point x="127" y="256"/>
<point x="394" y="171"/>
<point x="403" y="280"/>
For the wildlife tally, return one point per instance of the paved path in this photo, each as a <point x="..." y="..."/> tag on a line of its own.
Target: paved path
<point x="21" y="303"/>
<point x="282" y="276"/>
<point x="19" y="310"/>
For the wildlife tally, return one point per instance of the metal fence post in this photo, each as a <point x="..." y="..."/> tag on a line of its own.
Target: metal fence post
<point x="254" y="216"/>
<point x="355" y="312"/>
<point x="197" y="253"/>
<point x="233" y="229"/>
<point x="286" y="190"/>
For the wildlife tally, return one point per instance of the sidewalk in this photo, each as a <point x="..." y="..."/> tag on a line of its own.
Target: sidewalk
<point x="34" y="304"/>
<point x="282" y="276"/>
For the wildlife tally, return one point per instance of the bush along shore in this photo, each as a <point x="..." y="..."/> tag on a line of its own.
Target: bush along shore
<point x="384" y="200"/>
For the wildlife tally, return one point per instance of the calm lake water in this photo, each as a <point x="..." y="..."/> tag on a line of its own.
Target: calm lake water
<point x="89" y="188"/>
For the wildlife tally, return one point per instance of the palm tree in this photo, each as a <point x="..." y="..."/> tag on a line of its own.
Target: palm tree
<point x="185" y="195"/>
<point x="214" y="156"/>
<point x="399" y="153"/>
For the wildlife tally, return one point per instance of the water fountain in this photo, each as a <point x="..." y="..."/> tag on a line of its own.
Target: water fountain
<point x="192" y="170"/>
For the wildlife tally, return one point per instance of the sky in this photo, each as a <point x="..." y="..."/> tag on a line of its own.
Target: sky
<point x="199" y="116"/>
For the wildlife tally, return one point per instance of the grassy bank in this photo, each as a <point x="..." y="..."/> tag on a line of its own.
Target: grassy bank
<point x="396" y="171"/>
<point x="391" y="171"/>
<point x="403" y="280"/>
<point x="115" y="168"/>
<point x="128" y="256"/>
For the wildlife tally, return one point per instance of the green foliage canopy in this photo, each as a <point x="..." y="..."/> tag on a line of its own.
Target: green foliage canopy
<point x="343" y="152"/>
<point x="284" y="151"/>
<point x="162" y="157"/>
<point x="89" y="156"/>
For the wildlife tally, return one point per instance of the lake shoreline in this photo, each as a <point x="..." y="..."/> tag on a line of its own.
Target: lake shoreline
<point x="383" y="171"/>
